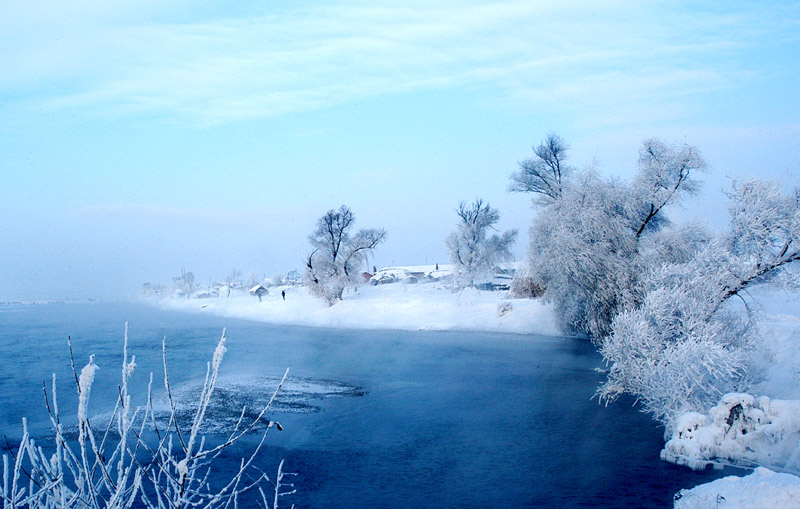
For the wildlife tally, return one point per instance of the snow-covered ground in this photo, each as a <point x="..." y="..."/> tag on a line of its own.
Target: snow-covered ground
<point x="759" y="490"/>
<point x="422" y="306"/>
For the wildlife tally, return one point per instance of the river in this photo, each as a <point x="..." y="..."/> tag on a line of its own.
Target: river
<point x="370" y="418"/>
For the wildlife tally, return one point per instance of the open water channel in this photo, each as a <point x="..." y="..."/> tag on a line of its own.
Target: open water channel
<point x="370" y="418"/>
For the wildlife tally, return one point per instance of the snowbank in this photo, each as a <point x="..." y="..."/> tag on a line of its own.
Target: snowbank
<point x="428" y="306"/>
<point x="763" y="488"/>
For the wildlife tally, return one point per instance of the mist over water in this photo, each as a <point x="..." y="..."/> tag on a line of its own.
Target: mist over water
<point x="370" y="418"/>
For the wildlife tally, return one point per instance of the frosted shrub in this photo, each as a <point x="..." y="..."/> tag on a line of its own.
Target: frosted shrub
<point x="582" y="253"/>
<point x="524" y="286"/>
<point x="504" y="308"/>
<point x="170" y="470"/>
<point x="672" y="357"/>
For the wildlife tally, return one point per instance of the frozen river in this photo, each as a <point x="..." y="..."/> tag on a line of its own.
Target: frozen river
<point x="371" y="418"/>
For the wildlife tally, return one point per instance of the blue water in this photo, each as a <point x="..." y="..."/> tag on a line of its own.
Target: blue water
<point x="370" y="418"/>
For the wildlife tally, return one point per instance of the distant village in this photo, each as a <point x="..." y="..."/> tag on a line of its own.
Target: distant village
<point x="185" y="286"/>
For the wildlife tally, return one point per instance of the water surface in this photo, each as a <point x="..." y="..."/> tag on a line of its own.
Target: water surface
<point x="371" y="418"/>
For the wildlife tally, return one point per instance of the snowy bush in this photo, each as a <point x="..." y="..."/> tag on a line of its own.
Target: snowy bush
<point x="672" y="356"/>
<point x="524" y="286"/>
<point x="118" y="467"/>
<point x="582" y="255"/>
<point x="504" y="308"/>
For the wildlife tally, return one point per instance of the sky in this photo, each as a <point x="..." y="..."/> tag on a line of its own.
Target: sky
<point x="140" y="139"/>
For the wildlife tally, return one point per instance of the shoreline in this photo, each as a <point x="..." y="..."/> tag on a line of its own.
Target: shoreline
<point x="419" y="307"/>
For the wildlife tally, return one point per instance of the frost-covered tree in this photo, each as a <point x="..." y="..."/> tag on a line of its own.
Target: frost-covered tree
<point x="337" y="253"/>
<point x="277" y="279"/>
<point x="664" y="176"/>
<point x="587" y="242"/>
<point x="252" y="280"/>
<point x="184" y="284"/>
<point x="581" y="254"/>
<point x="472" y="250"/>
<point x="689" y="342"/>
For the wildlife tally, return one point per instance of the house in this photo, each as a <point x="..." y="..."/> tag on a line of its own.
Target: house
<point x="259" y="290"/>
<point x="294" y="277"/>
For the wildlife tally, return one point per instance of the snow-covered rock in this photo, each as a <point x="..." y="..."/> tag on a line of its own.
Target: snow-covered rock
<point x="740" y="429"/>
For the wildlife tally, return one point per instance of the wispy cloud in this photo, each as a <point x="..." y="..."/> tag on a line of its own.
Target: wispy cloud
<point x="254" y="65"/>
<point x="152" y="213"/>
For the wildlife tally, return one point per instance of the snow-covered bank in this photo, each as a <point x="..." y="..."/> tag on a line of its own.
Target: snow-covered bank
<point x="426" y="306"/>
<point x="779" y="326"/>
<point x="763" y="488"/>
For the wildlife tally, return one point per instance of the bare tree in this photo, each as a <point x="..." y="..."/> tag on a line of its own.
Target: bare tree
<point x="337" y="254"/>
<point x="544" y="173"/>
<point x="472" y="250"/>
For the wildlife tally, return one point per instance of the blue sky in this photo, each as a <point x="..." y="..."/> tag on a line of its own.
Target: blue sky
<point x="142" y="137"/>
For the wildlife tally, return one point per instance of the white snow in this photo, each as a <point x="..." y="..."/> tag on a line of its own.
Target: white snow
<point x="763" y="488"/>
<point x="741" y="430"/>
<point x="779" y="326"/>
<point x="85" y="384"/>
<point x="422" y="306"/>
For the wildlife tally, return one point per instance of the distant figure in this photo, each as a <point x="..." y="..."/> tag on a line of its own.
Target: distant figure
<point x="283" y="294"/>
<point x="437" y="266"/>
<point x="374" y="269"/>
